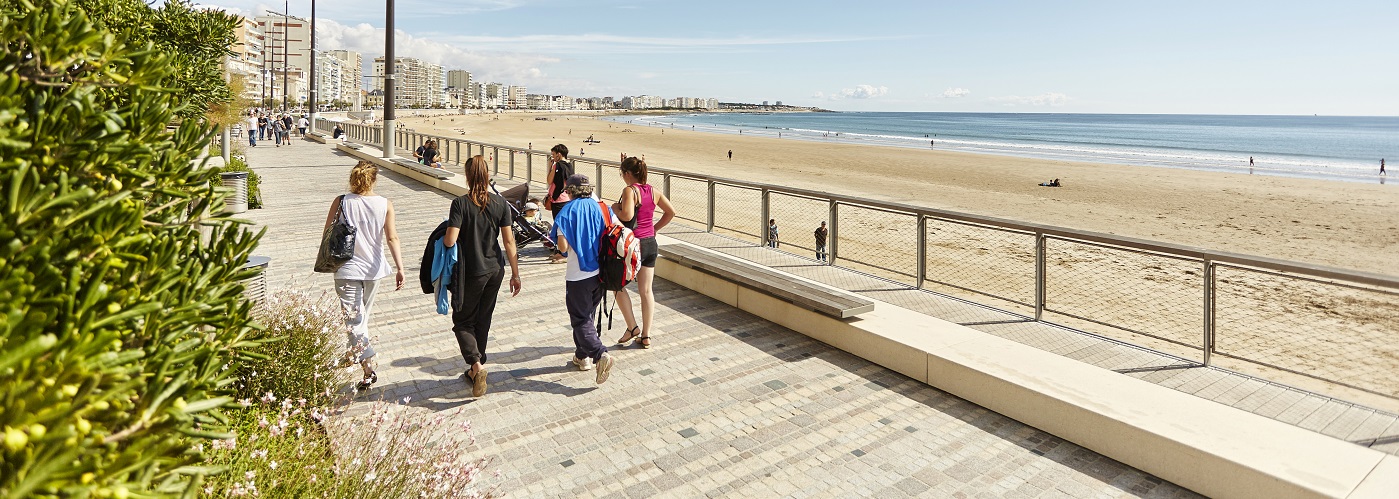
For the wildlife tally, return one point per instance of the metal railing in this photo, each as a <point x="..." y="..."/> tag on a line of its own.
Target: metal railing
<point x="1324" y="323"/>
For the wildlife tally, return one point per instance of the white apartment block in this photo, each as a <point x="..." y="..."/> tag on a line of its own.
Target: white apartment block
<point x="246" y="60"/>
<point x="417" y="83"/>
<point x="515" y="97"/>
<point x="350" y="79"/>
<point x="458" y="78"/>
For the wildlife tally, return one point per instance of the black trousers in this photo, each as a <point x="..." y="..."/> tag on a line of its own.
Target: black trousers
<point x="471" y="321"/>
<point x="581" y="298"/>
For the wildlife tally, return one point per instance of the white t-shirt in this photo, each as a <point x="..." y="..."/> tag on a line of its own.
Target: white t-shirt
<point x="367" y="215"/>
<point x="303" y="123"/>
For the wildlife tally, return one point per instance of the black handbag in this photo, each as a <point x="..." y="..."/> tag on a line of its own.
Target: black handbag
<point x="337" y="244"/>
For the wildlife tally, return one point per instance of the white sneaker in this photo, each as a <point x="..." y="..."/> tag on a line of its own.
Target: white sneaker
<point x="604" y="367"/>
<point x="583" y="364"/>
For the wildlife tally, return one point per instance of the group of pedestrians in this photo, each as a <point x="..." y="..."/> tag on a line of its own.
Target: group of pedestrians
<point x="475" y="246"/>
<point x="278" y="127"/>
<point x="775" y="239"/>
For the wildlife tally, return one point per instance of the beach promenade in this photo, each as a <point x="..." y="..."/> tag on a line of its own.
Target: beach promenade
<point x="724" y="404"/>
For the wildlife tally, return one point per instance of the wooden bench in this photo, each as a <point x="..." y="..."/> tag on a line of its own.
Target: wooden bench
<point x="436" y="173"/>
<point x="834" y="303"/>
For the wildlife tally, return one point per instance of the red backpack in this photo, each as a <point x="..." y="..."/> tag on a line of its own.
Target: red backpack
<point x="619" y="253"/>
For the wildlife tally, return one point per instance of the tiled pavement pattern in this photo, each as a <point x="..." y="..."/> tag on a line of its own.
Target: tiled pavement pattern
<point x="1355" y="423"/>
<point x="724" y="404"/>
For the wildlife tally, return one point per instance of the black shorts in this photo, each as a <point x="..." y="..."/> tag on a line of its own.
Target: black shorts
<point x="649" y="250"/>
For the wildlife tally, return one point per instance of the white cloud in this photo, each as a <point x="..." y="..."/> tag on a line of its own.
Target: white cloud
<point x="818" y="95"/>
<point x="513" y="68"/>
<point x="1052" y="99"/>
<point x="953" y="93"/>
<point x="860" y="92"/>
<point x="646" y="75"/>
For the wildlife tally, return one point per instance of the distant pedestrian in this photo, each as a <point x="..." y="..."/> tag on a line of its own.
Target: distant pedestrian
<point x="578" y="230"/>
<point x="252" y="130"/>
<point x="821" y="242"/>
<point x="731" y="154"/>
<point x="1250" y="161"/>
<point x="932" y="144"/>
<point x="357" y="280"/>
<point x="278" y="130"/>
<point x="772" y="233"/>
<point x="637" y="209"/>
<point x="1382" y="166"/>
<point x="560" y="169"/>
<point x="302" y="125"/>
<point x="262" y="124"/>
<point x="485" y="220"/>
<point x="286" y="127"/>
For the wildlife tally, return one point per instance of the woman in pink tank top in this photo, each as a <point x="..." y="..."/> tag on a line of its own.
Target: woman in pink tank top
<point x="637" y="210"/>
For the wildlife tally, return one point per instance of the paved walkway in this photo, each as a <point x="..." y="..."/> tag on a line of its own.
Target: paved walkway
<point x="724" y="404"/>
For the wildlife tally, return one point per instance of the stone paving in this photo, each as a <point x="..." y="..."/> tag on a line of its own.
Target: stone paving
<point x="724" y="404"/>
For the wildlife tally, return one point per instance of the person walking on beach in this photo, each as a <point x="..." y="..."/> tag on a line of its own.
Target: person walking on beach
<point x="485" y="219"/>
<point x="772" y="233"/>
<point x="637" y="210"/>
<point x="1382" y="166"/>
<point x="356" y="282"/>
<point x="731" y="154"/>
<point x="1250" y="161"/>
<point x="578" y="230"/>
<point x="821" y="242"/>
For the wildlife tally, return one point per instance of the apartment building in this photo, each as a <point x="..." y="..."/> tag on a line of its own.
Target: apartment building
<point x="417" y="83"/>
<point x="348" y="78"/>
<point x="246" y="60"/>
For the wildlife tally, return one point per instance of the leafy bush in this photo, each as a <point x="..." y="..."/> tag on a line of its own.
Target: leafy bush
<point x="302" y="342"/>
<point x="236" y="164"/>
<point x="116" y="317"/>
<point x="279" y="450"/>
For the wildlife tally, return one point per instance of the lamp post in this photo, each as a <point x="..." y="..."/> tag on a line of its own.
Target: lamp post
<point x="286" y="64"/>
<point x="388" y="80"/>
<point x="315" y="61"/>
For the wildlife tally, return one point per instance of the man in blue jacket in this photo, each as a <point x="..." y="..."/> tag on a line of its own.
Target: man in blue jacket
<point x="577" y="231"/>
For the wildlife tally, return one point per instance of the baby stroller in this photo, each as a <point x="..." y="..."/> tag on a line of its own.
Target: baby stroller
<point x="526" y="231"/>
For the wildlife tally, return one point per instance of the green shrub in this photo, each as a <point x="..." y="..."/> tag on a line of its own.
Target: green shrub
<point x="117" y="319"/>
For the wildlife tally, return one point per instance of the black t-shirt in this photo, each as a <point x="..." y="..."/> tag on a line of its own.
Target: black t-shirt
<point x="261" y="121"/>
<point x="420" y="152"/>
<point x="429" y="155"/>
<point x="562" y="170"/>
<point x="478" y="244"/>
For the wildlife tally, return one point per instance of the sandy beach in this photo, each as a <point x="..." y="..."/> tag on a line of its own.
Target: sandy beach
<point x="1325" y="331"/>
<point x="1342" y="224"/>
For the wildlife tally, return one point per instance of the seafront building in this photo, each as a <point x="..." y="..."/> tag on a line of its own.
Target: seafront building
<point x="245" y="61"/>
<point x="418" y="84"/>
<point x="515" y="97"/>
<point x="341" y="73"/>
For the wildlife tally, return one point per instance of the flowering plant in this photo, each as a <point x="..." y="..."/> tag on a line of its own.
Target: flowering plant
<point x="302" y="338"/>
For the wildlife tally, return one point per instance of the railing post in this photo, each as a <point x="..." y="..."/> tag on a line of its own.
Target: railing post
<point x="665" y="185"/>
<point x="529" y="167"/>
<point x="495" y="158"/>
<point x="512" y="163"/>
<point x="597" y="179"/>
<point x="1040" y="250"/>
<point x="1208" y="344"/>
<point x="710" y="209"/>
<point x="833" y="235"/>
<point x="459" y="158"/>
<point x="764" y="215"/>
<point x="922" y="251"/>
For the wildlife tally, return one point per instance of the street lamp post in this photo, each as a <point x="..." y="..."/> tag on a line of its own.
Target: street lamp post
<point x="286" y="63"/>
<point x="315" y="60"/>
<point x="388" y="80"/>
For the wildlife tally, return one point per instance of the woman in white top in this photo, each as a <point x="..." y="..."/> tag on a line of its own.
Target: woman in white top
<point x="355" y="282"/>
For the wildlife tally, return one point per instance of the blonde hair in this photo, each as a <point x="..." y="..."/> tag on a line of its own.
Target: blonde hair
<point x="478" y="180"/>
<point x="363" y="176"/>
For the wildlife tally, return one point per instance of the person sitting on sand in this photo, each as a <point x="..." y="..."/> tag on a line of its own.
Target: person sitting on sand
<point x="1051" y="183"/>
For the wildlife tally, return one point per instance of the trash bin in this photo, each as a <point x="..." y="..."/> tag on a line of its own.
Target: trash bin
<point x="237" y="202"/>
<point x="255" y="288"/>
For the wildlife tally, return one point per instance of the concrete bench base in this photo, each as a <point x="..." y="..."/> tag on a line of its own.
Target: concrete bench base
<point x="317" y="137"/>
<point x="1207" y="447"/>
<point x="839" y="304"/>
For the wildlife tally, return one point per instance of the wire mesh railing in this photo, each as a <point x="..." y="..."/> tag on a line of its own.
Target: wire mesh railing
<point x="1258" y="315"/>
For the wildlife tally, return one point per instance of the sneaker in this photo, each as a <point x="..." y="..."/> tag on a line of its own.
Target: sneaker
<point x="583" y="364"/>
<point x="604" y="367"/>
<point x="368" y="381"/>
<point x="478" y="383"/>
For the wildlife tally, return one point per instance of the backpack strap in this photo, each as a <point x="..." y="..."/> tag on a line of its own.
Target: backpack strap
<point x="606" y="214"/>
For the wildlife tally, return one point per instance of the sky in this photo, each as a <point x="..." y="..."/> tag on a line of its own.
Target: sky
<point x="1188" y="56"/>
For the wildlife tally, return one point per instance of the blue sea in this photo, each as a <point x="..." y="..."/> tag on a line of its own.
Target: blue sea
<point x="1327" y="147"/>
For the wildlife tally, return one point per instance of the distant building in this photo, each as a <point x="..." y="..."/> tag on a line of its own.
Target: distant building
<point x="341" y="75"/>
<point x="246" y="60"/>
<point x="779" y="103"/>
<point x="515" y="97"/>
<point x="416" y="83"/>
